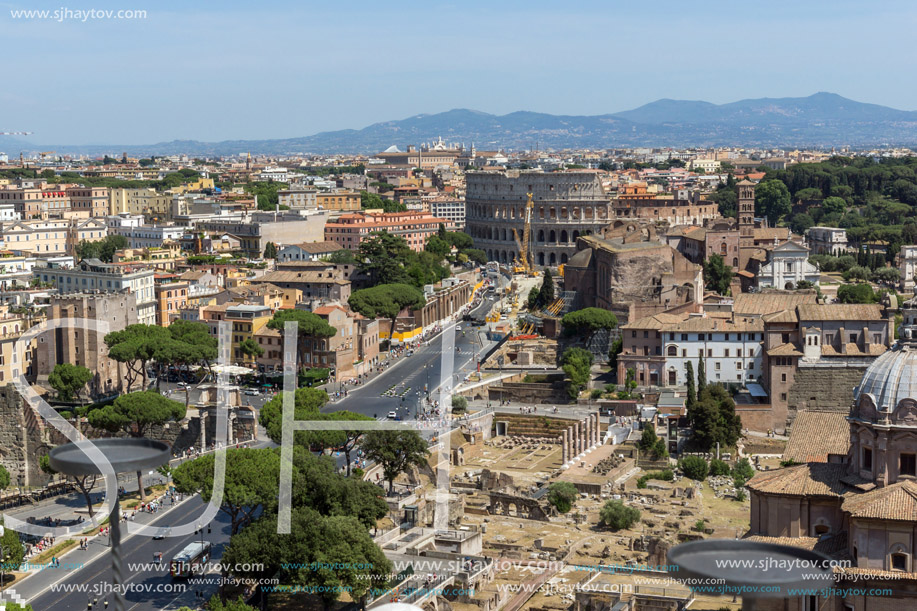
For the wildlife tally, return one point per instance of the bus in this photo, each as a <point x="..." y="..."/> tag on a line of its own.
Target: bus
<point x="191" y="560"/>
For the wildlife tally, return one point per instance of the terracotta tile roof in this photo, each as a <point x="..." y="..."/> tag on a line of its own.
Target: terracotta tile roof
<point x="784" y="316"/>
<point x="784" y="350"/>
<point x="839" y="311"/>
<point x="320" y="247"/>
<point x="768" y="303"/>
<point x="854" y="350"/>
<point x="811" y="479"/>
<point x="895" y="502"/>
<point x="834" y="545"/>
<point x="769" y="233"/>
<point x="815" y="435"/>
<point x="801" y="542"/>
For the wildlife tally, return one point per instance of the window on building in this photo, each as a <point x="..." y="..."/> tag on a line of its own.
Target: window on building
<point x="908" y="464"/>
<point x="783" y="377"/>
<point x="853" y="338"/>
<point x="899" y="562"/>
<point x="867" y="459"/>
<point x="684" y="337"/>
<point x="716" y="365"/>
<point x="783" y="396"/>
<point x="672" y="351"/>
<point x="726" y="352"/>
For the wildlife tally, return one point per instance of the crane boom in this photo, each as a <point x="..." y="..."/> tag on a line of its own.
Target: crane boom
<point x="524" y="263"/>
<point x="15" y="133"/>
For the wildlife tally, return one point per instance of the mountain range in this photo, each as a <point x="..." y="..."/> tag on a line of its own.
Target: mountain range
<point x="819" y="120"/>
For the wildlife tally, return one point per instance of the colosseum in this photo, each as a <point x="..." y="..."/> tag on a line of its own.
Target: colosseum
<point x="567" y="205"/>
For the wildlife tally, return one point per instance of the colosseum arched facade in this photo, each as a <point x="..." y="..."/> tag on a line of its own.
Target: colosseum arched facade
<point x="566" y="206"/>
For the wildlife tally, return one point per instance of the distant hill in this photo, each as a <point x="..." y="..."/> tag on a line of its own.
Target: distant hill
<point x="822" y="119"/>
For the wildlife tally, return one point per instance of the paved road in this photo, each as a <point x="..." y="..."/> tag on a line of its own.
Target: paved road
<point x="96" y="571"/>
<point x="403" y="385"/>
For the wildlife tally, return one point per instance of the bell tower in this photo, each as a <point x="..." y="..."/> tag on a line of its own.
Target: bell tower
<point x="746" y="214"/>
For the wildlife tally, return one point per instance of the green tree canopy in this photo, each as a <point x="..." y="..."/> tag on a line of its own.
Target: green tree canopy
<point x="386" y="301"/>
<point x="714" y="419"/>
<point x="309" y="327"/>
<point x="384" y="258"/>
<point x="616" y="515"/>
<point x="103" y="249"/>
<point x="251" y="484"/>
<point x="136" y="414"/>
<point x="69" y="380"/>
<point x="270" y="251"/>
<point x="856" y="293"/>
<point x="588" y="321"/>
<point x="577" y="364"/>
<point x="772" y="199"/>
<point x="396" y="451"/>
<point x="562" y="496"/>
<point x="330" y="553"/>
<point x="136" y="346"/>
<point x="717" y="275"/>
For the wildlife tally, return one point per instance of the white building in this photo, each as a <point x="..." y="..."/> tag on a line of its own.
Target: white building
<point x="907" y="265"/>
<point x="709" y="166"/>
<point x="149" y="236"/>
<point x="453" y="210"/>
<point x="731" y="348"/>
<point x="93" y="275"/>
<point x="826" y="240"/>
<point x="123" y="221"/>
<point x="8" y="213"/>
<point x="274" y="174"/>
<point x="788" y="265"/>
<point x="310" y="251"/>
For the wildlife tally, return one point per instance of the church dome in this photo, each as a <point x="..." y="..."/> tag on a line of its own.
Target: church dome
<point x="891" y="378"/>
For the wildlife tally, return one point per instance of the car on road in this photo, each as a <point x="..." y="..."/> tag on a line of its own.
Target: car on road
<point x="253" y="392"/>
<point x="393" y="415"/>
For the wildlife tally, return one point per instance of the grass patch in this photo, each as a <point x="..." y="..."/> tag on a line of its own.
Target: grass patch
<point x="55" y="551"/>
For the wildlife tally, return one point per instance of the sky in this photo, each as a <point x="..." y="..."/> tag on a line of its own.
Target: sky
<point x="211" y="71"/>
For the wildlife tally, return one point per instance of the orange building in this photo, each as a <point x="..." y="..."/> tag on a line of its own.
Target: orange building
<point x="414" y="226"/>
<point x="171" y="297"/>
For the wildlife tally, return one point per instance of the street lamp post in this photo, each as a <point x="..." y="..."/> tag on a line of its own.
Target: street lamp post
<point x="126" y="455"/>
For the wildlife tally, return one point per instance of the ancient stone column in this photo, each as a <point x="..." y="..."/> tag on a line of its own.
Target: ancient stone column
<point x="588" y="424"/>
<point x="580" y="438"/>
<point x="598" y="428"/>
<point x="565" y="446"/>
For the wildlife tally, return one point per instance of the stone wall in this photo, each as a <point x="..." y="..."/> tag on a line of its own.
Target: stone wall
<point x="25" y="437"/>
<point x="823" y="388"/>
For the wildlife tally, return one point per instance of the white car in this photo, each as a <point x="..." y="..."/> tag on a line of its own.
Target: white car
<point x="252" y="392"/>
<point x="393" y="415"/>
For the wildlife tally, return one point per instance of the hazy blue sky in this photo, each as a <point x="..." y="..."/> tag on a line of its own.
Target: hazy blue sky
<point x="218" y="71"/>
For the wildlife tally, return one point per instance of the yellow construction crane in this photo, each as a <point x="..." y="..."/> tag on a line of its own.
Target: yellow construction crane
<point x="523" y="264"/>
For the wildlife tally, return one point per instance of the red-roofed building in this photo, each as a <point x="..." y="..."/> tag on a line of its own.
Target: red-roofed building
<point x="415" y="227"/>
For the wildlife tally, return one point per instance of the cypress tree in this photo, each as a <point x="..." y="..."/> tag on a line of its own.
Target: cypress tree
<point x="701" y="374"/>
<point x="691" y="399"/>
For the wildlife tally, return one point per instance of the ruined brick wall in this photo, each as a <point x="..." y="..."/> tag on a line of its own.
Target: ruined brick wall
<point x="823" y="388"/>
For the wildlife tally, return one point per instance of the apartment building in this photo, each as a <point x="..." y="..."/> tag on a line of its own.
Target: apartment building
<point x="35" y="202"/>
<point x="149" y="236"/>
<point x="89" y="201"/>
<point x="351" y="229"/>
<point x="12" y="326"/>
<point x="338" y="200"/>
<point x="452" y="210"/>
<point x="681" y="208"/>
<point x="171" y="297"/>
<point x="281" y="228"/>
<point x="93" y="275"/>
<point x="140" y="201"/>
<point x="50" y="237"/>
<point x="659" y="347"/>
<point x="297" y="198"/>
